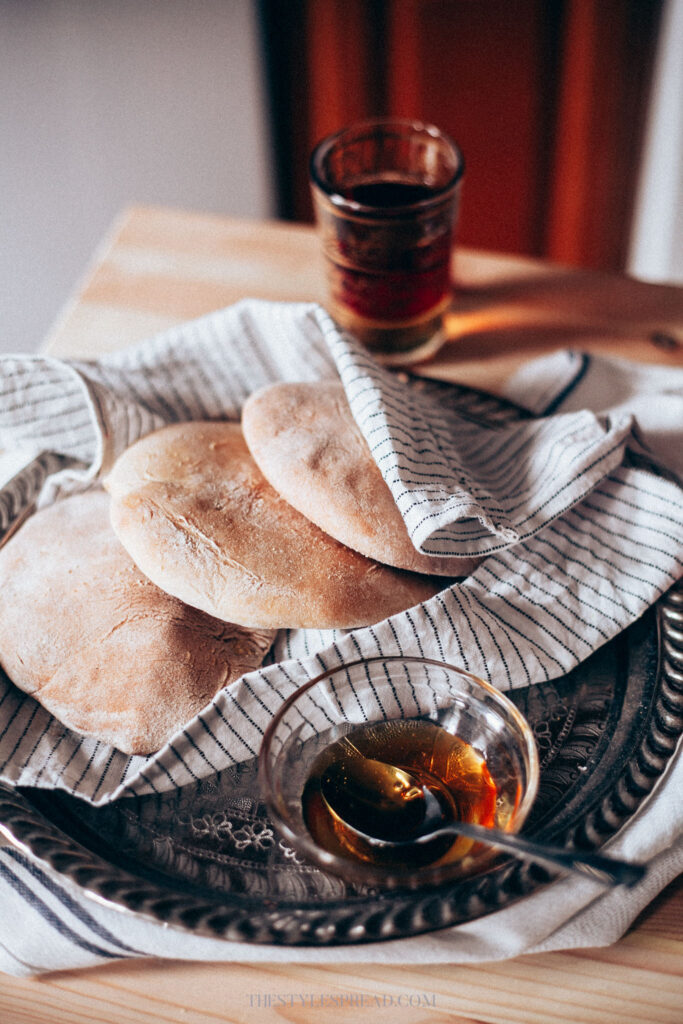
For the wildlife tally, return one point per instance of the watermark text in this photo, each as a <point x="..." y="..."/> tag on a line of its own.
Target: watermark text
<point x="343" y="1000"/>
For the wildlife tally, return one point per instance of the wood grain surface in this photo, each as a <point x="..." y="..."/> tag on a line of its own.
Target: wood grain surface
<point x="637" y="981"/>
<point x="160" y="267"/>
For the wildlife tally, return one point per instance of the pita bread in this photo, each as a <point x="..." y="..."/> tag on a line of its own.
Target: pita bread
<point x="94" y="641"/>
<point x="307" y="444"/>
<point x="199" y="518"/>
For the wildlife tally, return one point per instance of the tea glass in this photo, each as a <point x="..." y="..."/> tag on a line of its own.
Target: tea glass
<point x="386" y="196"/>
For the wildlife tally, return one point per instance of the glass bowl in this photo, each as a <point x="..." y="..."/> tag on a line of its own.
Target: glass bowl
<point x="456" y="734"/>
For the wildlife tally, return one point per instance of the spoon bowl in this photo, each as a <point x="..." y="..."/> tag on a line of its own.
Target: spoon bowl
<point x="369" y="795"/>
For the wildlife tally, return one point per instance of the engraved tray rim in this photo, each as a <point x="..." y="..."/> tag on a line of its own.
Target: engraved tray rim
<point x="394" y="914"/>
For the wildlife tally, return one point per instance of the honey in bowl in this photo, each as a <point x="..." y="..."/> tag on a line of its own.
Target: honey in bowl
<point x="447" y="766"/>
<point x="463" y="744"/>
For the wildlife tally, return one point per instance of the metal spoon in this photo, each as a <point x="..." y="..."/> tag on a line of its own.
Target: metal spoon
<point x="376" y="801"/>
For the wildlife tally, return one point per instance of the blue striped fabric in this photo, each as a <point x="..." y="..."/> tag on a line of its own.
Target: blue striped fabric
<point x="579" y="539"/>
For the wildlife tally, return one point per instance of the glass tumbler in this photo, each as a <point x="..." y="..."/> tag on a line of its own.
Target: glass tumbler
<point x="386" y="196"/>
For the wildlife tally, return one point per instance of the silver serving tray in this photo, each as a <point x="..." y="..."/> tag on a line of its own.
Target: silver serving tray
<point x="207" y="859"/>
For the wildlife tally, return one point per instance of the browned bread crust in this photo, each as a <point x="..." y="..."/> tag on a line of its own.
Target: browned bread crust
<point x="199" y="518"/>
<point x="307" y="444"/>
<point x="97" y="643"/>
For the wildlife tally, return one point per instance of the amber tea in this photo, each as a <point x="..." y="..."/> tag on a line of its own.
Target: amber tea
<point x="386" y="198"/>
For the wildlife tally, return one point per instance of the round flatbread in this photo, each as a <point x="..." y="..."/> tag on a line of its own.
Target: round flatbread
<point x="97" y="643"/>
<point x="307" y="444"/>
<point x="199" y="518"/>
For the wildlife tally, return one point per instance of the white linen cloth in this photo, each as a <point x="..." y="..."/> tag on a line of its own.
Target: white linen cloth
<point x="580" y="538"/>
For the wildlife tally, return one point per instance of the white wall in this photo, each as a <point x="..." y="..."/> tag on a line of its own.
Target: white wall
<point x="108" y="102"/>
<point x="657" y="239"/>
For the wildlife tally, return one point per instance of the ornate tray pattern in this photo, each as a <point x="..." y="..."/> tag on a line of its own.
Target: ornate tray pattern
<point x="206" y="858"/>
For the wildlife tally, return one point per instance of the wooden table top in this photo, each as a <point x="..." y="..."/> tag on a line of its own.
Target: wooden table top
<point x="160" y="267"/>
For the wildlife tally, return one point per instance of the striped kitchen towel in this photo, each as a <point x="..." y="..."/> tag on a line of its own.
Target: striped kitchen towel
<point x="580" y="530"/>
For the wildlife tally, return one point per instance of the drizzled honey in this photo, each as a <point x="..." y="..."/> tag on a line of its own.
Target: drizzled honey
<point x="450" y="768"/>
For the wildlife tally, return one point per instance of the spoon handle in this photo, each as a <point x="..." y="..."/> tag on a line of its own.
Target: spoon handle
<point x="607" y="870"/>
